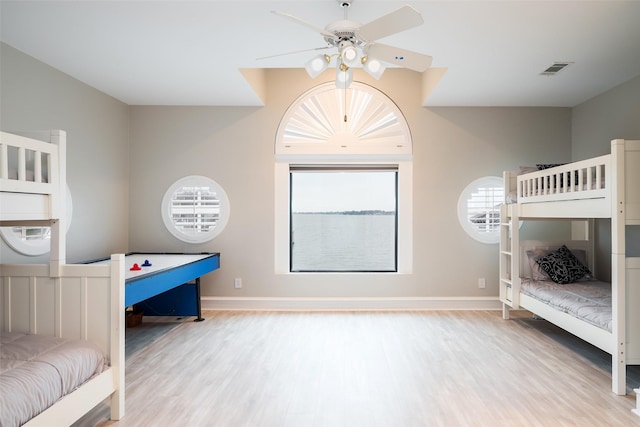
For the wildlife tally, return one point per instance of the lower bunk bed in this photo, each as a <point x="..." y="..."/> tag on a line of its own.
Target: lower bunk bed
<point x="584" y="307"/>
<point x="588" y="301"/>
<point x="71" y="326"/>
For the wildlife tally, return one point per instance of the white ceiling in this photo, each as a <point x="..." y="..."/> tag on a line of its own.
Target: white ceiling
<point x="147" y="52"/>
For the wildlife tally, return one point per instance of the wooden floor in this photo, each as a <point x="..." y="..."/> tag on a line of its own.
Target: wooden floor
<point x="423" y="368"/>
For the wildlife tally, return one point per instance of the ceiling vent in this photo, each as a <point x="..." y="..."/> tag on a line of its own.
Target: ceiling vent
<point x="555" y="68"/>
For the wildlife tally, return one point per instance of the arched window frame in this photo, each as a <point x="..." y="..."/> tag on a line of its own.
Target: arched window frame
<point x="313" y="131"/>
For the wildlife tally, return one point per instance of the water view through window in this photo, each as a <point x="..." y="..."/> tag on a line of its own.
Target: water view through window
<point x="343" y="219"/>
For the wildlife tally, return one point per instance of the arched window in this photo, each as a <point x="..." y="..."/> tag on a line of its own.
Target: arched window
<point x="343" y="183"/>
<point x="360" y="121"/>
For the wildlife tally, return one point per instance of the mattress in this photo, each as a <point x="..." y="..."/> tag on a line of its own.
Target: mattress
<point x="589" y="301"/>
<point x="37" y="370"/>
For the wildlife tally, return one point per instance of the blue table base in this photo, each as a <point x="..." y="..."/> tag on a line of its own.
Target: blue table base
<point x="181" y="301"/>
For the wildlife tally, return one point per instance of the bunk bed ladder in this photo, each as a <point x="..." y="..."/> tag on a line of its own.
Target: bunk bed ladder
<point x="509" y="258"/>
<point x="505" y="289"/>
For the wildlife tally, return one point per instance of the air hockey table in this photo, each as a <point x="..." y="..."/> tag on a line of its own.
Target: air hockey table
<point x="165" y="284"/>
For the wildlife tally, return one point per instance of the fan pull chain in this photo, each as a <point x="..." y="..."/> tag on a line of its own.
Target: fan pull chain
<point x="345" y="105"/>
<point x="345" y="98"/>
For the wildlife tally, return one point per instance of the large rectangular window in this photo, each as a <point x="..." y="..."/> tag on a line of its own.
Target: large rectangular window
<point x="343" y="218"/>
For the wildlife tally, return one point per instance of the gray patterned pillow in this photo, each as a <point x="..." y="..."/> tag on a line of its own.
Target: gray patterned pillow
<point x="544" y="166"/>
<point x="562" y="266"/>
<point x="553" y="165"/>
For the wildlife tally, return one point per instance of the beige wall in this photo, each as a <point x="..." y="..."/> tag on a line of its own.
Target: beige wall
<point x="234" y="147"/>
<point x="142" y="150"/>
<point x="35" y="96"/>
<point x="611" y="115"/>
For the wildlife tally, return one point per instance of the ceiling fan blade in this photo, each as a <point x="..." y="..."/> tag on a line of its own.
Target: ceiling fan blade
<point x="394" y="22"/>
<point x="291" y="53"/>
<point x="322" y="31"/>
<point x="404" y="58"/>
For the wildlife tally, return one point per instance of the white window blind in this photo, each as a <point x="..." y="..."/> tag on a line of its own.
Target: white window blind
<point x="195" y="209"/>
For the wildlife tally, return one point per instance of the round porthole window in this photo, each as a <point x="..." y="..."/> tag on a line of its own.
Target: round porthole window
<point x="479" y="208"/>
<point x="33" y="240"/>
<point x="195" y="209"/>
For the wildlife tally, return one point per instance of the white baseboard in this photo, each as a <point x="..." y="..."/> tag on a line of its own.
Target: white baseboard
<point x="351" y="304"/>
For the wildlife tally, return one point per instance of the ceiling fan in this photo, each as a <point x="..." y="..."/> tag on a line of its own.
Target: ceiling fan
<point x="357" y="44"/>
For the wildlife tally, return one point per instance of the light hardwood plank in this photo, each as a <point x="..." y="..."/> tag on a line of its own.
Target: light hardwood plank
<point x="422" y="368"/>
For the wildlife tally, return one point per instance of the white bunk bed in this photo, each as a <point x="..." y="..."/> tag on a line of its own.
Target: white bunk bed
<point x="69" y="301"/>
<point x="602" y="187"/>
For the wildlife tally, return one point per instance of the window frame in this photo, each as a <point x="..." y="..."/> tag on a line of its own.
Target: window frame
<point x="404" y="213"/>
<point x="343" y="168"/>
<point x="489" y="237"/>
<point x="194" y="181"/>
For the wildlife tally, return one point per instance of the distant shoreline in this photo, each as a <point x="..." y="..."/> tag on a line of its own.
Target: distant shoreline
<point x="365" y="212"/>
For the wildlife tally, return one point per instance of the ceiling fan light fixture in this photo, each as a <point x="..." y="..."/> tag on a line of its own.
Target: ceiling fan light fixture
<point x="349" y="56"/>
<point x="316" y="65"/>
<point x="374" y="67"/>
<point x="344" y="76"/>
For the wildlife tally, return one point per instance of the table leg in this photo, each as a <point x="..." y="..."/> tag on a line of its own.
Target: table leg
<point x="198" y="303"/>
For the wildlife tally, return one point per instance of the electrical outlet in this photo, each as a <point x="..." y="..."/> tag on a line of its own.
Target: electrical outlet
<point x="237" y="283"/>
<point x="481" y="283"/>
